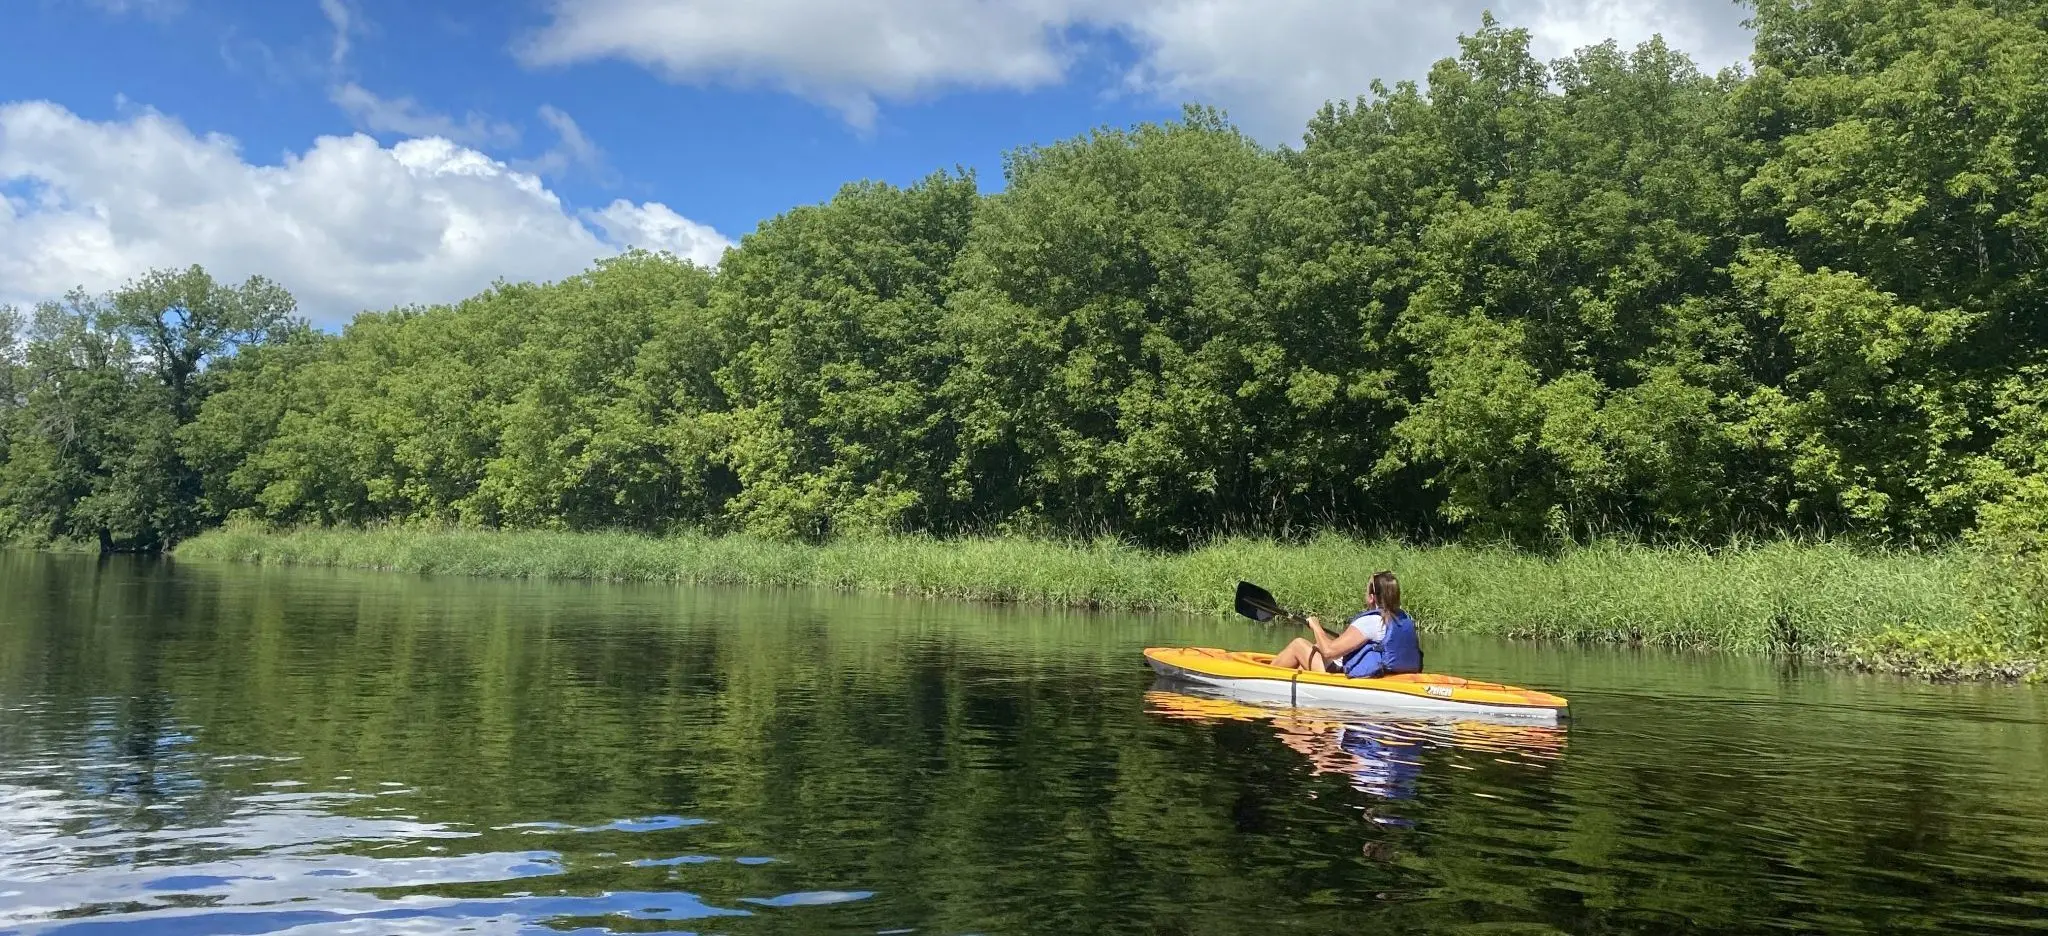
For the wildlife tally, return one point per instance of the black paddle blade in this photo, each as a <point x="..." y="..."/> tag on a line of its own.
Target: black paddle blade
<point x="1257" y="603"/>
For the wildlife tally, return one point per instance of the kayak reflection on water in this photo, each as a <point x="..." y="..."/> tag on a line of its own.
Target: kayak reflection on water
<point x="1378" y="755"/>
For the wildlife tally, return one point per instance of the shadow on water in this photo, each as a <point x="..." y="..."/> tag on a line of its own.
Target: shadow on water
<point x="218" y="749"/>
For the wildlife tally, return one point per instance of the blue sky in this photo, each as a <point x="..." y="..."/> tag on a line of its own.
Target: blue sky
<point x="373" y="152"/>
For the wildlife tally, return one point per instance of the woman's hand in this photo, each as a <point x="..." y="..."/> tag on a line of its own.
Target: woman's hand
<point x="1337" y="647"/>
<point x="1317" y="636"/>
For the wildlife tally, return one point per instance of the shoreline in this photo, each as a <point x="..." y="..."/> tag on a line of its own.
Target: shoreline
<point x="1901" y="613"/>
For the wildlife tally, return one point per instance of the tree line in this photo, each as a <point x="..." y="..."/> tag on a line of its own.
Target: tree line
<point x="1603" y="296"/>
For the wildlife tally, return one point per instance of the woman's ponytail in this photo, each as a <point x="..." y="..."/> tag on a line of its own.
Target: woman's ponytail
<point x="1386" y="592"/>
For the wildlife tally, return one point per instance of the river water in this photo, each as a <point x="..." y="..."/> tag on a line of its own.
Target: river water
<point x="193" y="748"/>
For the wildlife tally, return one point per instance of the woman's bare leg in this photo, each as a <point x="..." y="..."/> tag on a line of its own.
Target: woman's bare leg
<point x="1300" y="654"/>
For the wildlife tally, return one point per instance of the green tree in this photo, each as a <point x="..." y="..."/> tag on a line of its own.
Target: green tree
<point x="1905" y="203"/>
<point x="1538" y="275"/>
<point x="1117" y="361"/>
<point x="828" y="320"/>
<point x="88" y="455"/>
<point x="13" y="376"/>
<point x="1536" y="301"/>
<point x="183" y="320"/>
<point x="578" y="444"/>
<point x="537" y="405"/>
<point x="93" y="449"/>
<point x="245" y="407"/>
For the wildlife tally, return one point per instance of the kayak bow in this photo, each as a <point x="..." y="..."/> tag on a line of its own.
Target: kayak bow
<point x="1255" y="674"/>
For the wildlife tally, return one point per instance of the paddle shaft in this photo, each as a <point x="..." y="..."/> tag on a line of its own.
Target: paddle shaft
<point x="1259" y="605"/>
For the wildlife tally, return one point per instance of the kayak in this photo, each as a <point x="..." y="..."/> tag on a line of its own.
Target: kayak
<point x="1254" y="674"/>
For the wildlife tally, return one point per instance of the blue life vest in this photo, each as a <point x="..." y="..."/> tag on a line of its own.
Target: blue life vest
<point x="1398" y="651"/>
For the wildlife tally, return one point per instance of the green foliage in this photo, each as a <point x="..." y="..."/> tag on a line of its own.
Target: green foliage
<point x="1535" y="303"/>
<point x="13" y="382"/>
<point x="97" y="400"/>
<point x="1118" y="368"/>
<point x="78" y="404"/>
<point x="578" y="435"/>
<point x="828" y="320"/>
<point x="250" y="395"/>
<point x="2012" y="573"/>
<point x="1868" y="413"/>
<point x="563" y="405"/>
<point x="180" y="321"/>
<point x="1553" y="311"/>
<point x="1814" y="600"/>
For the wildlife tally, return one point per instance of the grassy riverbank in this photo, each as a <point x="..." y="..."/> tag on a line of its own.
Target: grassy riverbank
<point x="1898" y="612"/>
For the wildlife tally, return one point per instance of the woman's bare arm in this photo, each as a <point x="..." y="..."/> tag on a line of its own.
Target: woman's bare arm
<point x="1334" y="647"/>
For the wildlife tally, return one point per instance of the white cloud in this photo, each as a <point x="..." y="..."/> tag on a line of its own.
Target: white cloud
<point x="403" y="115"/>
<point x="343" y="20"/>
<point x="1710" y="31"/>
<point x="1274" y="62"/>
<point x="347" y="225"/>
<point x="654" y="226"/>
<point x="400" y="115"/>
<point x="572" y="147"/>
<point x="1271" y="62"/>
<point x="840" y="52"/>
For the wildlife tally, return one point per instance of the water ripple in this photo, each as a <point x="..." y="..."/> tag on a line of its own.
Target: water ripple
<point x="286" y="858"/>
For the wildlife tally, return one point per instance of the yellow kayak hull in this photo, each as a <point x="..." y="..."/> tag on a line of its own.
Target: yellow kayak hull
<point x="1254" y="674"/>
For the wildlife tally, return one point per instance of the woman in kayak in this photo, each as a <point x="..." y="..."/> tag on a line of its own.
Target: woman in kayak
<point x="1380" y="641"/>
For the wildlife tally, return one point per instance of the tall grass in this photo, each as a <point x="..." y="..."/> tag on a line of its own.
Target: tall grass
<point x="1892" y="611"/>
